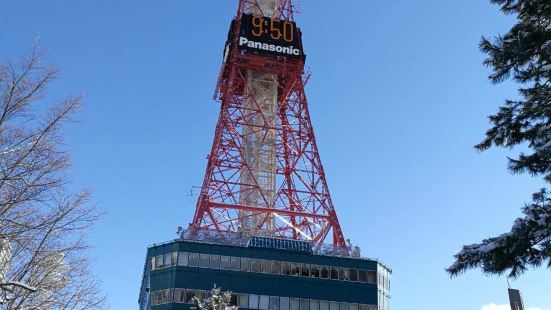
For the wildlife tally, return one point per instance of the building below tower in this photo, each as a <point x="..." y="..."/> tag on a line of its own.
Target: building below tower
<point x="515" y="299"/>
<point x="262" y="273"/>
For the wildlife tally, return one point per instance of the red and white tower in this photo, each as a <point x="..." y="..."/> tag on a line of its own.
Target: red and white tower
<point x="264" y="174"/>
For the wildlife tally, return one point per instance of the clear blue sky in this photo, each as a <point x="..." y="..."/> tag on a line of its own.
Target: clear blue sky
<point x="398" y="98"/>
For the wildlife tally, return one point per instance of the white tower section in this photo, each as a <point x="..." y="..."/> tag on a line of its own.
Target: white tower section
<point x="259" y="149"/>
<point x="53" y="277"/>
<point x="5" y="258"/>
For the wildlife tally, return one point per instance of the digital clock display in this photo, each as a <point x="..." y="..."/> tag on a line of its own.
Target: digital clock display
<point x="271" y="36"/>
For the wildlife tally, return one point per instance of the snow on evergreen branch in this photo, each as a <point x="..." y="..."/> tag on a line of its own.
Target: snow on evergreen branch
<point x="216" y="300"/>
<point x="527" y="244"/>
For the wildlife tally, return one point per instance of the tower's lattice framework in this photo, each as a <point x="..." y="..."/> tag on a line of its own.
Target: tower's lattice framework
<point x="264" y="175"/>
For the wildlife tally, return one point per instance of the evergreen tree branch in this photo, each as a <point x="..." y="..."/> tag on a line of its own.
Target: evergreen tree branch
<point x="523" y="54"/>
<point x="527" y="244"/>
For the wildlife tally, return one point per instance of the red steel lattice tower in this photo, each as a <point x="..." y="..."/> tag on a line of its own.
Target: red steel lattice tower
<point x="264" y="175"/>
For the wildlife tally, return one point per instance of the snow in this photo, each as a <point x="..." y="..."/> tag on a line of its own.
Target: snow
<point x="486" y="140"/>
<point x="493" y="75"/>
<point x="546" y="127"/>
<point x="485" y="248"/>
<point x="544" y="147"/>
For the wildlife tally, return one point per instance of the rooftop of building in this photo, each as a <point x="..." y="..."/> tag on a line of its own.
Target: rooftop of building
<point x="241" y="240"/>
<point x="260" y="247"/>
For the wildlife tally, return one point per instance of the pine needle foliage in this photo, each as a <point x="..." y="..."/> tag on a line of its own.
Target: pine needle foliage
<point x="523" y="55"/>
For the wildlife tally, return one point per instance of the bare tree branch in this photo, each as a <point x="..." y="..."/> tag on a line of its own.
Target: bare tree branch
<point x="43" y="224"/>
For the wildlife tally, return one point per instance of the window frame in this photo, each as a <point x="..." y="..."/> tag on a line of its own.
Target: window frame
<point x="327" y="271"/>
<point x="288" y="265"/>
<point x="167" y="259"/>
<point x="314" y="304"/>
<point x="256" y="263"/>
<point x="295" y="269"/>
<point x="156" y="298"/>
<point x="295" y="301"/>
<point x="362" y="276"/>
<point x="304" y="304"/>
<point x="225" y="262"/>
<point x="317" y="269"/>
<point x="275" y="267"/>
<point x="251" y="303"/>
<point x="353" y="274"/>
<point x="204" y="258"/>
<point x="305" y="270"/>
<point x="183" y="294"/>
<point x="282" y="302"/>
<point x="215" y="261"/>
<point x="265" y="266"/>
<point x="191" y="257"/>
<point x="235" y="263"/>
<point x="263" y="302"/>
<point x="245" y="262"/>
<point x="343" y="274"/>
<point x="333" y="275"/>
<point x="166" y="293"/>
<point x="189" y="295"/>
<point x="183" y="259"/>
<point x="241" y="300"/>
<point x="371" y="274"/>
<point x="174" y="259"/>
<point x="273" y="303"/>
<point x="159" y="260"/>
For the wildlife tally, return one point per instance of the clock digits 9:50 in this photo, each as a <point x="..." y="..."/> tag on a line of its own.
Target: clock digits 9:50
<point x="277" y="29"/>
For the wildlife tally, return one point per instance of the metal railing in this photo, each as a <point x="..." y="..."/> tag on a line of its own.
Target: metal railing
<point x="239" y="239"/>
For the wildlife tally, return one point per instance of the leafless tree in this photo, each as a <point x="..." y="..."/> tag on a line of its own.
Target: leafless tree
<point x="43" y="223"/>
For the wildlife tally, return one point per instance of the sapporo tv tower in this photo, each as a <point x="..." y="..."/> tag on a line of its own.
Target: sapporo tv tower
<point x="264" y="174"/>
<point x="264" y="210"/>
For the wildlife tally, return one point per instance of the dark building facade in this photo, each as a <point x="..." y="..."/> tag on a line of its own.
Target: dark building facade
<point x="515" y="299"/>
<point x="263" y="273"/>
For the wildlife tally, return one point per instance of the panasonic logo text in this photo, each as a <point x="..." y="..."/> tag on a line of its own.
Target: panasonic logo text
<point x="289" y="50"/>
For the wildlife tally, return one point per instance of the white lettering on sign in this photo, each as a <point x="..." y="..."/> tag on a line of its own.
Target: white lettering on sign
<point x="289" y="50"/>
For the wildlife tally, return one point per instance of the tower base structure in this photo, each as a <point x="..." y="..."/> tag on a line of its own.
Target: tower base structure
<point x="263" y="273"/>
